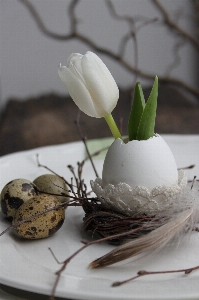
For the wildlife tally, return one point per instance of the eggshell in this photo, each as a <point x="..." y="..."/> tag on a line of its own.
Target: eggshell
<point x="149" y="163"/>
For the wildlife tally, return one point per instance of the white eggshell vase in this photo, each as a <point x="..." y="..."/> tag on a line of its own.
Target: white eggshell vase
<point x="140" y="177"/>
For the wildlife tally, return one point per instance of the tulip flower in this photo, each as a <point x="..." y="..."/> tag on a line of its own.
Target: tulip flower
<point x="91" y="86"/>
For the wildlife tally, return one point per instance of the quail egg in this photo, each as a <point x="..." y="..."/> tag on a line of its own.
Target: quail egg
<point x="14" y="194"/>
<point x="41" y="226"/>
<point x="51" y="183"/>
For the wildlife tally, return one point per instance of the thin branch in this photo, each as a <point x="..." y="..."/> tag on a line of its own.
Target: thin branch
<point x="72" y="16"/>
<point x="144" y="273"/>
<point x="86" y="147"/>
<point x="174" y="26"/>
<point x="132" y="34"/>
<point x="86" y="245"/>
<point x="34" y="13"/>
<point x="176" y="57"/>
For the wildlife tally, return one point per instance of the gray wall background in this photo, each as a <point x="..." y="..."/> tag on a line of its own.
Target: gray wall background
<point x="29" y="60"/>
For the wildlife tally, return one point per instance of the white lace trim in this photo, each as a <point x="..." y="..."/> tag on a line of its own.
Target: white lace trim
<point x="139" y="200"/>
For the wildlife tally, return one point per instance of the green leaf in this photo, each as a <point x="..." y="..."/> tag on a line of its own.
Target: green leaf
<point x="136" y="112"/>
<point x="147" y="121"/>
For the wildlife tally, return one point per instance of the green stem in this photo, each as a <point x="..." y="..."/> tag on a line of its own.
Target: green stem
<point x="113" y="127"/>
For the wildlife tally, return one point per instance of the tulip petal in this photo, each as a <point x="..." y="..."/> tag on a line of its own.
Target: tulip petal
<point x="79" y="93"/>
<point x="73" y="57"/>
<point x="99" y="81"/>
<point x="75" y="66"/>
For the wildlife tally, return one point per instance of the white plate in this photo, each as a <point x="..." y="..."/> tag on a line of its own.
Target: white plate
<point x="28" y="265"/>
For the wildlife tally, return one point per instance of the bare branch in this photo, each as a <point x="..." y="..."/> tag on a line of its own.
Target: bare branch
<point x="144" y="273"/>
<point x="72" y="16"/>
<point x="118" y="56"/>
<point x="176" y="57"/>
<point x="34" y="13"/>
<point x="174" y="26"/>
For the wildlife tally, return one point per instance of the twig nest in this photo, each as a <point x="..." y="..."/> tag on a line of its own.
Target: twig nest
<point x="139" y="177"/>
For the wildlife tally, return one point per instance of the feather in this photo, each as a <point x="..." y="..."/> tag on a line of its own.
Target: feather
<point x="153" y="241"/>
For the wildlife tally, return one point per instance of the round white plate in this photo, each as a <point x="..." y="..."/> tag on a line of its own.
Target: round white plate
<point x="29" y="265"/>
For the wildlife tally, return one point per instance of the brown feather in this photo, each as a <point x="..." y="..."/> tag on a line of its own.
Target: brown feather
<point x="152" y="241"/>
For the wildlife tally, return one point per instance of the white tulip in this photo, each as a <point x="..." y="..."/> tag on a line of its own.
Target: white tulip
<point x="90" y="84"/>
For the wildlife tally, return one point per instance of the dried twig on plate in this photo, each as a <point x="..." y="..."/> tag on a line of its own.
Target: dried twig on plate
<point x="144" y="273"/>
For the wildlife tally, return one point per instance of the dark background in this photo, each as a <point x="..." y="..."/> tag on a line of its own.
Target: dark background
<point x="50" y="119"/>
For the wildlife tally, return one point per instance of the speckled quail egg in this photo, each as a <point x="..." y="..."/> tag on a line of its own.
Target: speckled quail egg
<point x="14" y="194"/>
<point x="41" y="226"/>
<point x="51" y="183"/>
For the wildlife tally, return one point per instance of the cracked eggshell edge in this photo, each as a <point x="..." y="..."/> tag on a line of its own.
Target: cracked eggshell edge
<point x="148" y="163"/>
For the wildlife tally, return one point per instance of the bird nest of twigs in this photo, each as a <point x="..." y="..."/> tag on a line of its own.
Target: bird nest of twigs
<point x="117" y="226"/>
